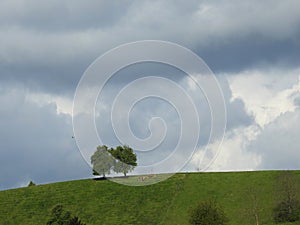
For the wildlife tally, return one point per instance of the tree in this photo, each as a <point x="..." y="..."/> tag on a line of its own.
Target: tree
<point x="125" y="159"/>
<point x="75" y="221"/>
<point x="102" y="161"/>
<point x="208" y="212"/>
<point x="288" y="208"/>
<point x="59" y="216"/>
<point x="31" y="184"/>
<point x="255" y="209"/>
<point x="287" y="211"/>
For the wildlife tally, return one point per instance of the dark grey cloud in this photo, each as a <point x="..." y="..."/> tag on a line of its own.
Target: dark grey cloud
<point x="297" y="101"/>
<point x="278" y="144"/>
<point x="45" y="47"/>
<point x="236" y="111"/>
<point x="53" y="43"/>
<point x="141" y="114"/>
<point x="36" y="143"/>
<point x="252" y="52"/>
<point x="62" y="15"/>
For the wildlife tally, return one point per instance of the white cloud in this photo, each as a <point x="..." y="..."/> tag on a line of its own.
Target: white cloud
<point x="232" y="154"/>
<point x="271" y="141"/>
<point x="63" y="104"/>
<point x="266" y="94"/>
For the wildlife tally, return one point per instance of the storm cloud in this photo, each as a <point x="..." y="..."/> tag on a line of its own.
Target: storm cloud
<point x="45" y="47"/>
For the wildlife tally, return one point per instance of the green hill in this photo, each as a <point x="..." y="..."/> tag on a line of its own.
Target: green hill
<point x="104" y="202"/>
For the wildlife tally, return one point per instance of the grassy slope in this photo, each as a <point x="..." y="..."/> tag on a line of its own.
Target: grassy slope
<point x="168" y="202"/>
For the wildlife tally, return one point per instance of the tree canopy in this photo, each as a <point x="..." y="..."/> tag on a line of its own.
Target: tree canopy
<point x="125" y="159"/>
<point x="102" y="161"/>
<point x="121" y="159"/>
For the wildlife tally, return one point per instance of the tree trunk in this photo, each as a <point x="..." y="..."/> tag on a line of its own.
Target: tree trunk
<point x="256" y="219"/>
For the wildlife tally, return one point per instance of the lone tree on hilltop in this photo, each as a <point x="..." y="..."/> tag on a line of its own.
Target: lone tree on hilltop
<point x="125" y="159"/>
<point x="102" y="161"/>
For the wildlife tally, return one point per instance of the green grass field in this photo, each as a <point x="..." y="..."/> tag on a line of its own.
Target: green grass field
<point x="168" y="202"/>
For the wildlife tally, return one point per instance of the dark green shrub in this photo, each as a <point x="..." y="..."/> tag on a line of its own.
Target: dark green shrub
<point x="75" y="221"/>
<point x="287" y="211"/>
<point x="208" y="213"/>
<point x="31" y="184"/>
<point x="59" y="216"/>
<point x="288" y="208"/>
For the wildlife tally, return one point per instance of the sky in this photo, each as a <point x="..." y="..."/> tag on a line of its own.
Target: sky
<point x="252" y="47"/>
